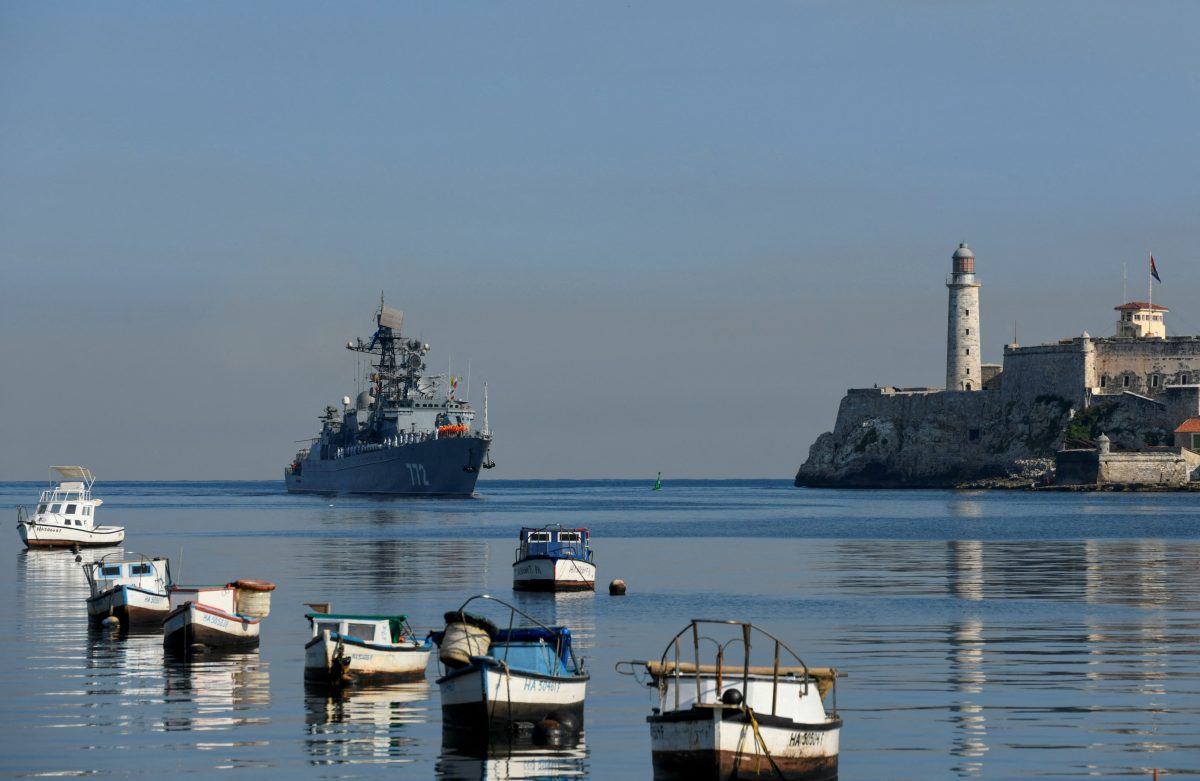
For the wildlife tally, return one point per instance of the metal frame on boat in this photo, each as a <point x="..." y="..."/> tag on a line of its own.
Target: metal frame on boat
<point x="503" y="679"/>
<point x="740" y="721"/>
<point x="554" y="558"/>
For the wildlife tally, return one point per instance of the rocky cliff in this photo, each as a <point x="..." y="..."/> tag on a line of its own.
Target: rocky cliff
<point x="892" y="438"/>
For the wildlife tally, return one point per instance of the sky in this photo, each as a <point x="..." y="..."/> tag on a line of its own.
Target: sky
<point x="668" y="236"/>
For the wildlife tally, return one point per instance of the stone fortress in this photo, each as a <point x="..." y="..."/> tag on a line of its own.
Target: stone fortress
<point x="1118" y="409"/>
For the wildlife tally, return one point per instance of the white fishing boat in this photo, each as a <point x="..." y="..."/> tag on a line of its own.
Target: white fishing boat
<point x="554" y="558"/>
<point x="735" y="720"/>
<point x="508" y="679"/>
<point x="129" y="587"/>
<point x="65" y="516"/>
<point x="351" y="648"/>
<point x="226" y="616"/>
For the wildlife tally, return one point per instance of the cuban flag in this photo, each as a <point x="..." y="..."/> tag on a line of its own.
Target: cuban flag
<point x="1154" y="269"/>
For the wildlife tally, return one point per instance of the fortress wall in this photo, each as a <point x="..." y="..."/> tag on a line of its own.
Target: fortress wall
<point x="1046" y="370"/>
<point x="1172" y="361"/>
<point x="1165" y="468"/>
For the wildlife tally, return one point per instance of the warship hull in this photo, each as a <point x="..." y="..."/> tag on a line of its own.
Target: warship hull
<point x="439" y="467"/>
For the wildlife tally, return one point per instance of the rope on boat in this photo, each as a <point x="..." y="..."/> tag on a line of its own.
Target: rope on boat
<point x="763" y="745"/>
<point x="575" y="566"/>
<point x="508" y="690"/>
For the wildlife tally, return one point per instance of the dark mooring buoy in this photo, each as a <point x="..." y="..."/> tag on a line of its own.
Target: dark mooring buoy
<point x="617" y="588"/>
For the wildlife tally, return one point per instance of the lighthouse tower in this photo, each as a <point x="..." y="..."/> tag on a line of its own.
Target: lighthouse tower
<point x="962" y="334"/>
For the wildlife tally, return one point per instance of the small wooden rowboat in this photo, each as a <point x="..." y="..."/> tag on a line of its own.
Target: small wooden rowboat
<point x="730" y="719"/>
<point x="226" y="616"/>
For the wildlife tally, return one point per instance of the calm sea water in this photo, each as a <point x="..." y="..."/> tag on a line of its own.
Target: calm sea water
<point x="986" y="635"/>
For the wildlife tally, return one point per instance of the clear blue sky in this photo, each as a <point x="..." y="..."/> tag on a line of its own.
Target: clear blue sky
<point x="668" y="235"/>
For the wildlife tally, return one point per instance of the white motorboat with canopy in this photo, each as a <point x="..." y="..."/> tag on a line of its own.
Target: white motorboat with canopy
<point x="65" y="516"/>
<point x="737" y="720"/>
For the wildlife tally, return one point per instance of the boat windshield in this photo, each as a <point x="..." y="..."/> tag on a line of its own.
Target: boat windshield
<point x="557" y="543"/>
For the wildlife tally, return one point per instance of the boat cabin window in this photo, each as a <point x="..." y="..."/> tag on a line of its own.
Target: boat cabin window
<point x="56" y="508"/>
<point x="568" y="537"/>
<point x="140" y="569"/>
<point x="361" y="631"/>
<point x="321" y="626"/>
<point x="71" y="509"/>
<point x="539" y="536"/>
<point x="110" y="570"/>
<point x="41" y="508"/>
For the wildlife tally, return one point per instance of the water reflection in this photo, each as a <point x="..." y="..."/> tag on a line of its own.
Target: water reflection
<point x="214" y="692"/>
<point x="364" y="726"/>
<point x="575" y="610"/>
<point x="1142" y="573"/>
<point x="381" y="567"/>
<point x="517" y="758"/>
<point x="967" y="677"/>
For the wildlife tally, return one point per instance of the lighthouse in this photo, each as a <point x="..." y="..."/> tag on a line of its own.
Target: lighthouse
<point x="962" y="333"/>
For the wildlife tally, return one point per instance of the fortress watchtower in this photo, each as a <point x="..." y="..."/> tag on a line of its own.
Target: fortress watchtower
<point x="962" y="335"/>
<point x="1142" y="320"/>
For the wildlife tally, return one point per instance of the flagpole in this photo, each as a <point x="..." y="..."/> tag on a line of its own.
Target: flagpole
<point x="1150" y="280"/>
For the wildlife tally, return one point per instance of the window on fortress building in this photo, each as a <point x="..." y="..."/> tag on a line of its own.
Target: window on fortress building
<point x="1125" y="381"/>
<point x="968" y="332"/>
<point x="1154" y="381"/>
<point x="972" y="434"/>
<point x="1103" y="381"/>
<point x="968" y="351"/>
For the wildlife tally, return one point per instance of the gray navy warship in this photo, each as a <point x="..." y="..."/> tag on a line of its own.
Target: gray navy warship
<point x="405" y="434"/>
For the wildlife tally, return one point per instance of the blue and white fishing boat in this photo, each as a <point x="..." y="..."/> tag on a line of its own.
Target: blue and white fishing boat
<point x="554" y="558"/>
<point x="731" y="719"/>
<point x="129" y="587"/>
<point x="351" y="648"/>
<point x="506" y="679"/>
<point x="218" y="617"/>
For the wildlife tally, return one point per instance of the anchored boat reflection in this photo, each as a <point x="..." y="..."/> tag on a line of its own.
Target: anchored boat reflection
<point x="215" y="692"/>
<point x="364" y="726"/>
<point x="519" y="757"/>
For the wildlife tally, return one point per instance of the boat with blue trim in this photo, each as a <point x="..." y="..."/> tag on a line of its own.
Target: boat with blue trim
<point x="129" y="587"/>
<point x="505" y="680"/>
<point x="554" y="558"/>
<point x="351" y="648"/>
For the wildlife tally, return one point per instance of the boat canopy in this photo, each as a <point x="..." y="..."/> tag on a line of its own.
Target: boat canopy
<point x="555" y="541"/>
<point x="397" y="624"/>
<point x="75" y="473"/>
<point x="557" y="636"/>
